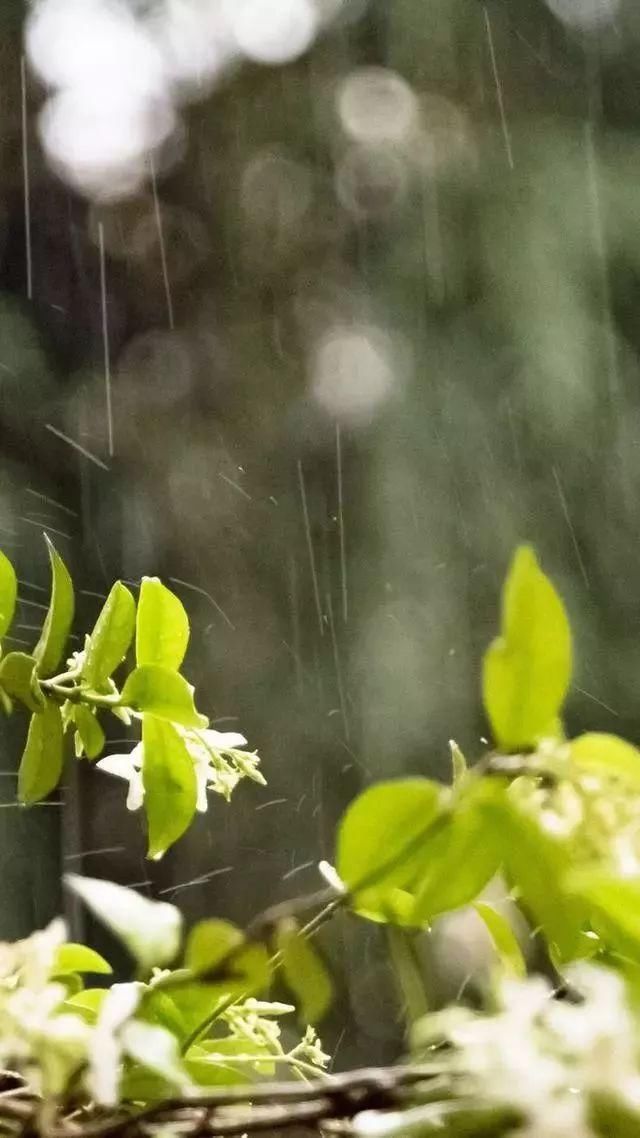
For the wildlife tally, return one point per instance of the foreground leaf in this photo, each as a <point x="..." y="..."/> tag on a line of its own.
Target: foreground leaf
<point x="51" y="646"/>
<point x="504" y="939"/>
<point x="43" y="756"/>
<point x="607" y="755"/>
<point x="162" y="626"/>
<point x="461" y="858"/>
<point x="614" y="906"/>
<point x="381" y="839"/>
<point x="78" y="958"/>
<point x="163" y="693"/>
<point x="18" y="678"/>
<point x="111" y="636"/>
<point x="8" y="593"/>
<point x="527" y="669"/>
<point x="151" y="930"/>
<point x="209" y="942"/>
<point x="170" y="787"/>
<point x="304" y="972"/>
<point x="90" y="737"/>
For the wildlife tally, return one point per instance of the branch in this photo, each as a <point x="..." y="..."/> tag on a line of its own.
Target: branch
<point x="238" y="1110"/>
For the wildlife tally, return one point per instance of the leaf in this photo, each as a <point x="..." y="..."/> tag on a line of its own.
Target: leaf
<point x="504" y="939"/>
<point x="87" y="1003"/>
<point x="209" y="942"/>
<point x="8" y="593"/>
<point x="111" y="636"/>
<point x="42" y="758"/>
<point x="163" y="693"/>
<point x="162" y="626"/>
<point x="224" y="1062"/>
<point x="381" y="839"/>
<point x="460" y="859"/>
<point x="78" y="958"/>
<point x="527" y="669"/>
<point x="18" y="678"/>
<point x="151" y="930"/>
<point x="170" y="786"/>
<point x="89" y="733"/>
<point x="55" y="631"/>
<point x="248" y="974"/>
<point x="304" y="972"/>
<point x="606" y="755"/>
<point x="535" y="863"/>
<point x="614" y="905"/>
<point x="156" y="1049"/>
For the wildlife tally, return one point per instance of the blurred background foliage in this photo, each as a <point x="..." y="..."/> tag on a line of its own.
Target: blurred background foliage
<point x="377" y="325"/>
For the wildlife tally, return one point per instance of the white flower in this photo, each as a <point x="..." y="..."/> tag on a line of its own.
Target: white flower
<point x="219" y="764"/>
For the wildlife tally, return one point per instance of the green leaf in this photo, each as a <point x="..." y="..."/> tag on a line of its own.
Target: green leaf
<point x="606" y="755"/>
<point x="304" y="972"/>
<point x="151" y="930"/>
<point x="51" y="646"/>
<point x="225" y="1062"/>
<point x="86" y="1003"/>
<point x="614" y="906"/>
<point x="18" y="678"/>
<point x="89" y="733"/>
<point x="527" y="669"/>
<point x="111" y="636"/>
<point x="535" y="864"/>
<point x="162" y="626"/>
<point x="504" y="939"/>
<point x="79" y="958"/>
<point x="247" y="973"/>
<point x="42" y="758"/>
<point x="461" y="858"/>
<point x="209" y="942"/>
<point x="381" y="840"/>
<point x="170" y="786"/>
<point x="163" y="693"/>
<point x="8" y="593"/>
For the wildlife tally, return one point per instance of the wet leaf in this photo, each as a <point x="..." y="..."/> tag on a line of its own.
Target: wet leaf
<point x="8" y="593"/>
<point x="51" y="646"/>
<point x="111" y="636"/>
<point x="163" y="693"/>
<point x="170" y="787"/>
<point x="527" y="669"/>
<point x="18" y="678"/>
<point x="162" y="626"/>
<point x="42" y="759"/>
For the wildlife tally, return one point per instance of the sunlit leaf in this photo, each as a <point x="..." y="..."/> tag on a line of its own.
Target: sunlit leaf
<point x="8" y="593"/>
<point x="209" y="942"/>
<point x="18" y="678"/>
<point x="111" y="636"/>
<point x="151" y="930"/>
<point x="79" y="958"/>
<point x="381" y="838"/>
<point x="605" y="755"/>
<point x="162" y="626"/>
<point x="88" y="732"/>
<point x="504" y="938"/>
<point x="169" y="780"/>
<point x="42" y="758"/>
<point x="51" y="646"/>
<point x="527" y="669"/>
<point x="613" y="904"/>
<point x="460" y="858"/>
<point x="163" y="693"/>
<point x="304" y="972"/>
<point x="535" y="864"/>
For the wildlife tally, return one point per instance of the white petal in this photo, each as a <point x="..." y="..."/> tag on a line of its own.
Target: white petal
<point x="135" y="797"/>
<point x="120" y="765"/>
<point x="223" y="740"/>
